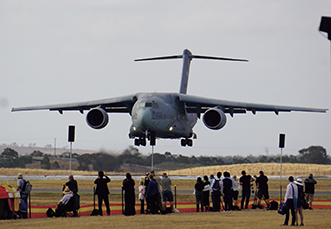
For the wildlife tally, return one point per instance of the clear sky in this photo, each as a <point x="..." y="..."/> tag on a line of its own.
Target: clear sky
<point x="70" y="51"/>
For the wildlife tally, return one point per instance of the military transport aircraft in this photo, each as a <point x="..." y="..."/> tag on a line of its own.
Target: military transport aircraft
<point x="166" y="115"/>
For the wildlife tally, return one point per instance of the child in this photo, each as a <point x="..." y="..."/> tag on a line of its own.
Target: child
<point x="142" y="196"/>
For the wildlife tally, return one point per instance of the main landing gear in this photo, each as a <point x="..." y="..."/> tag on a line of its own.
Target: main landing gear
<point x="186" y="142"/>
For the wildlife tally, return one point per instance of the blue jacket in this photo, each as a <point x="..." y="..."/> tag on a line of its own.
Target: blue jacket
<point x="152" y="188"/>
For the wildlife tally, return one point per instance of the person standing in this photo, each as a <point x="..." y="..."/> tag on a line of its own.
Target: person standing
<point x="198" y="187"/>
<point x="23" y="206"/>
<point x="102" y="191"/>
<point x="245" y="182"/>
<point x="262" y="187"/>
<point x="205" y="193"/>
<point x="216" y="194"/>
<point x="310" y="189"/>
<point x="152" y="195"/>
<point x="227" y="186"/>
<point x="291" y="197"/>
<point x="142" y="191"/>
<point x="146" y="182"/>
<point x="158" y="181"/>
<point x="71" y="184"/>
<point x="166" y="192"/>
<point x="301" y="200"/>
<point x="129" y="195"/>
<point x="235" y="192"/>
<point x="211" y="180"/>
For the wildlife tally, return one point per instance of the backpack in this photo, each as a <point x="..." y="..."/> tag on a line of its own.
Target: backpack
<point x="27" y="187"/>
<point x="273" y="205"/>
<point x="216" y="185"/>
<point x="50" y="212"/>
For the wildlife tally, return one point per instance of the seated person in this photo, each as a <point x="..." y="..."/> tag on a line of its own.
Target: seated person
<point x="61" y="206"/>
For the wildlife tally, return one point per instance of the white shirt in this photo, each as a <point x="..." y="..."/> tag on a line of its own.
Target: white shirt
<point x="65" y="199"/>
<point x="141" y="192"/>
<point x="289" y="191"/>
<point x="206" y="188"/>
<point x="236" y="185"/>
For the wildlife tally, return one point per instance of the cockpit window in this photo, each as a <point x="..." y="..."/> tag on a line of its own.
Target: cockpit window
<point x="149" y="104"/>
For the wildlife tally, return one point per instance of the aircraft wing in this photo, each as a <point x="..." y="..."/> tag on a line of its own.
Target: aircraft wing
<point x="196" y="104"/>
<point x="121" y="104"/>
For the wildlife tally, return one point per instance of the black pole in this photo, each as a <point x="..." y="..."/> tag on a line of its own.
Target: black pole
<point x="122" y="202"/>
<point x="93" y="198"/>
<point x="175" y="196"/>
<point x="29" y="206"/>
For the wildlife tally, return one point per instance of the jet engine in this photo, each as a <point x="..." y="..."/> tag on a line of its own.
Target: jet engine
<point x="214" y="118"/>
<point x="97" y="118"/>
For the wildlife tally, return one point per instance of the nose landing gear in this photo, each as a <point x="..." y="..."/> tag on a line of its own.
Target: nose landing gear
<point x="186" y="142"/>
<point x="140" y="141"/>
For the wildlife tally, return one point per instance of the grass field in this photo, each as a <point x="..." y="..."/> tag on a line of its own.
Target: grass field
<point x="270" y="169"/>
<point x="45" y="199"/>
<point x="48" y="198"/>
<point x="250" y="218"/>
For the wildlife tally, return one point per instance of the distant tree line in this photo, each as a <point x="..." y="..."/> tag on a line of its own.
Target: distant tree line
<point x="131" y="157"/>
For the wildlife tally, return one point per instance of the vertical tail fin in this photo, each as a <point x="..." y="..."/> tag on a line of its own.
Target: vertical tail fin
<point x="187" y="57"/>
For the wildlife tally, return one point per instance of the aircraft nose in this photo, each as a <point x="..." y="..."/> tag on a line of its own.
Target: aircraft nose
<point x="144" y="118"/>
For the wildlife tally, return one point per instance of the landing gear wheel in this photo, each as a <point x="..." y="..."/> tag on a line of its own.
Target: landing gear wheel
<point x="183" y="142"/>
<point x="142" y="141"/>
<point x="186" y="142"/>
<point x="137" y="142"/>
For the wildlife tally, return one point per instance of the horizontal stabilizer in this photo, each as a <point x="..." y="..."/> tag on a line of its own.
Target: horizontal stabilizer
<point x="187" y="56"/>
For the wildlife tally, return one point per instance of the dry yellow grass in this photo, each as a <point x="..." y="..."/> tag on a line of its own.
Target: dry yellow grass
<point x="15" y="171"/>
<point x="270" y="169"/>
<point x="236" y="219"/>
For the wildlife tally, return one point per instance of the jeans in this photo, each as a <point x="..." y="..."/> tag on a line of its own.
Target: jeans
<point x="216" y="198"/>
<point x="245" y="195"/>
<point x="142" y="211"/>
<point x="198" y="199"/>
<point x="227" y="200"/>
<point x="290" y="205"/>
<point x="106" y="200"/>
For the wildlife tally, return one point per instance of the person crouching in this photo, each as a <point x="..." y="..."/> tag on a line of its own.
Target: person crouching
<point x="61" y="205"/>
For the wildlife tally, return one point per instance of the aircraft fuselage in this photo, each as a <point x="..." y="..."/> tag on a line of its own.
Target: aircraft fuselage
<point x="163" y="114"/>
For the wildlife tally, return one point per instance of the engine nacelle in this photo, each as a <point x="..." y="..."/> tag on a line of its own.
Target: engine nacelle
<point x="97" y="118"/>
<point x="214" y="118"/>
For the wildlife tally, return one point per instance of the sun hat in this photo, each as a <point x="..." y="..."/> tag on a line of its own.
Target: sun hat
<point x="20" y="175"/>
<point x="66" y="191"/>
<point x="298" y="182"/>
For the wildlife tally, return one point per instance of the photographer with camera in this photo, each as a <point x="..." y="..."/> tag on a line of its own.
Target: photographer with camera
<point x="262" y="186"/>
<point x="245" y="182"/>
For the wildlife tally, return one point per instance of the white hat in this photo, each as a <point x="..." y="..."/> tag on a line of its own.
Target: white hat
<point x="298" y="182"/>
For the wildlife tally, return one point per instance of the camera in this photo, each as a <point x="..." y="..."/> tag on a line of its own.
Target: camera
<point x="252" y="188"/>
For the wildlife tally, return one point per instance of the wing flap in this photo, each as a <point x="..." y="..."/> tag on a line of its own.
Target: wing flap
<point x="117" y="104"/>
<point x="196" y="103"/>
